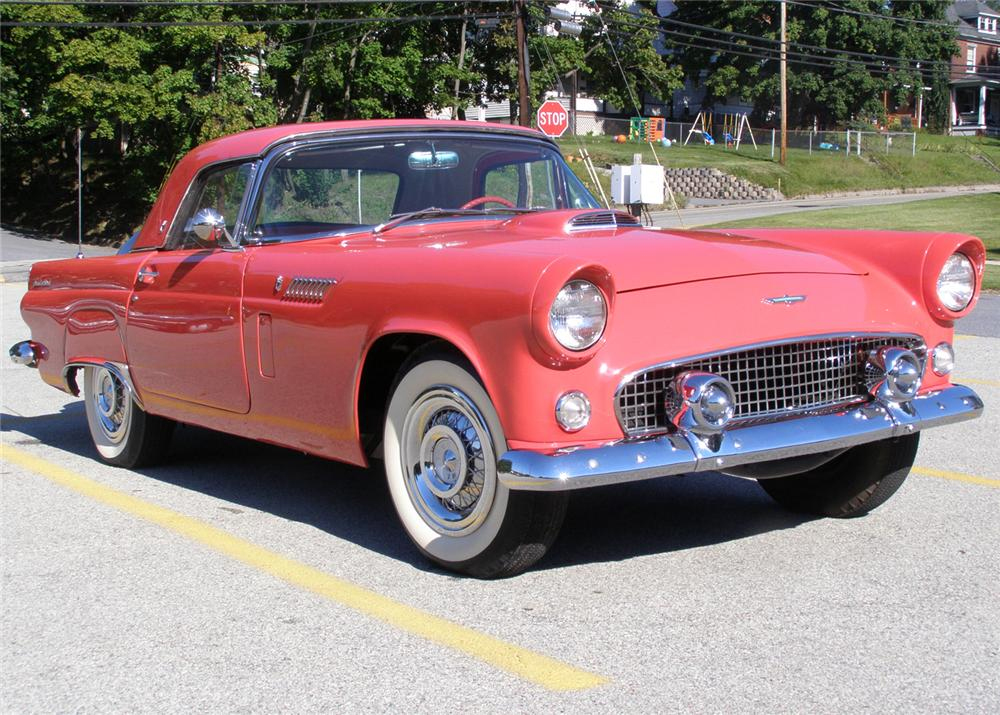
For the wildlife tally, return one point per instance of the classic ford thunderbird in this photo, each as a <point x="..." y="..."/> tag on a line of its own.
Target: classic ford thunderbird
<point x="449" y="299"/>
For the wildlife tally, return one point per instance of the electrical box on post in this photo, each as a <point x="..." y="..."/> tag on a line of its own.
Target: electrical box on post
<point x="637" y="184"/>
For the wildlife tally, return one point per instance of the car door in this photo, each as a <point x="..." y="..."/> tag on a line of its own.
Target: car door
<point x="184" y="334"/>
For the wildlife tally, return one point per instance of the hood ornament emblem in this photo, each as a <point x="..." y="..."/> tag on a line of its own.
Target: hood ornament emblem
<point x="786" y="299"/>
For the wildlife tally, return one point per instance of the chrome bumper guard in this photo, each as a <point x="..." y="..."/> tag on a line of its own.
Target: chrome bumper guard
<point x="683" y="452"/>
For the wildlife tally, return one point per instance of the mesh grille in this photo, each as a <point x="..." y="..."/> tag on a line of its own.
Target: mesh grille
<point x="770" y="382"/>
<point x="593" y="220"/>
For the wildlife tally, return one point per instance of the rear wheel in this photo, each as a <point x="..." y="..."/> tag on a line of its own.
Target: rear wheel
<point x="442" y="440"/>
<point x="851" y="484"/>
<point x="123" y="433"/>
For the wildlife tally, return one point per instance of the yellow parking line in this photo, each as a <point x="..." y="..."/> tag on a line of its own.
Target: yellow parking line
<point x="973" y="381"/>
<point x="527" y="664"/>
<point x="956" y="476"/>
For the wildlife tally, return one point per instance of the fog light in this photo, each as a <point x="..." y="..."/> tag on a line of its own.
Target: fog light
<point x="899" y="374"/>
<point x="701" y="402"/>
<point x="573" y="411"/>
<point x="944" y="359"/>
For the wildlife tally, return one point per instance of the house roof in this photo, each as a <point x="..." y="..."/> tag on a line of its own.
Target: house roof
<point x="965" y="14"/>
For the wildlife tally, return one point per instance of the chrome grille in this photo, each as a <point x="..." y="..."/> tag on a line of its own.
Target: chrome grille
<point x="770" y="381"/>
<point x="308" y="290"/>
<point x="597" y="220"/>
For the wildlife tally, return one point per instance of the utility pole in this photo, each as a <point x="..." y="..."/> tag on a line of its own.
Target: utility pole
<point x="784" y="88"/>
<point x="523" y="96"/>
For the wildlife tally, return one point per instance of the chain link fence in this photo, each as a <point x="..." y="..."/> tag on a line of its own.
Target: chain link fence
<point x="843" y="142"/>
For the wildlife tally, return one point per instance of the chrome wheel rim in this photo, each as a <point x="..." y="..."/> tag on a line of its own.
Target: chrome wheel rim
<point x="112" y="405"/>
<point x="448" y="461"/>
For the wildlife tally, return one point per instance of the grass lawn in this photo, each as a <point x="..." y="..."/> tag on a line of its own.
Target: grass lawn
<point x="978" y="215"/>
<point x="940" y="161"/>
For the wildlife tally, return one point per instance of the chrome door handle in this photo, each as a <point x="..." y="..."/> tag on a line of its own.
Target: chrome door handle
<point x="147" y="275"/>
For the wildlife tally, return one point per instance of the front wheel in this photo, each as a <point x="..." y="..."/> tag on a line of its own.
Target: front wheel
<point x="123" y="433"/>
<point x="851" y="484"/>
<point x="441" y="443"/>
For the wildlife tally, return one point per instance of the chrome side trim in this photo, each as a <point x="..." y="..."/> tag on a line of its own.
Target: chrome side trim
<point x="120" y="371"/>
<point x="683" y="452"/>
<point x="307" y="290"/>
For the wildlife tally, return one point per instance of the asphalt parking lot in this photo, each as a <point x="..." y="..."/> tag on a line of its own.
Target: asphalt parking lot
<point x="241" y="577"/>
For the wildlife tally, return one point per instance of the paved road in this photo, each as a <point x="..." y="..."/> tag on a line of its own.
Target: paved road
<point x="702" y="216"/>
<point x="230" y="579"/>
<point x="19" y="249"/>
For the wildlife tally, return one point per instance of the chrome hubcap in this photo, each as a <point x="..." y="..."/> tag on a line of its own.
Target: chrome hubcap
<point x="449" y="461"/>
<point x="112" y="404"/>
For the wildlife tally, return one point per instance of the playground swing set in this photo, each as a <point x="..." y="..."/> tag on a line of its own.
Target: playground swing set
<point x="733" y="126"/>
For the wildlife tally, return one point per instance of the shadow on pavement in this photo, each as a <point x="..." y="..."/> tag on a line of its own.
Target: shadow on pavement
<point x="352" y="503"/>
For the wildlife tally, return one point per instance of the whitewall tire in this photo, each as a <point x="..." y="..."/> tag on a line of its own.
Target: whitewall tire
<point x="441" y="443"/>
<point x="123" y="433"/>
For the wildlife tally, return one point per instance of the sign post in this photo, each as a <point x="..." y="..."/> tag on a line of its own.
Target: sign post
<point x="552" y="119"/>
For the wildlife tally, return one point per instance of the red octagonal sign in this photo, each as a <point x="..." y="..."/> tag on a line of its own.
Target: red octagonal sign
<point x="553" y="120"/>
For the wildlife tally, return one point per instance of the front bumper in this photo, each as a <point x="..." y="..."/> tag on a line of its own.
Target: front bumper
<point x="683" y="452"/>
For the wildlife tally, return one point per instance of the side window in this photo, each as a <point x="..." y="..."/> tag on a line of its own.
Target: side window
<point x="526" y="184"/>
<point x="303" y="200"/>
<point x="219" y="189"/>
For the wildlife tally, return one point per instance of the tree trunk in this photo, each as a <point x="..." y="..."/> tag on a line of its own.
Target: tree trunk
<point x="349" y="75"/>
<point x="299" y="98"/>
<point x="304" y="110"/>
<point x="461" y="62"/>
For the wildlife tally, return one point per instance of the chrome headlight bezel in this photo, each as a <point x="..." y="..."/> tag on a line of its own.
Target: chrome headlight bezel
<point x="956" y="282"/>
<point x="578" y="315"/>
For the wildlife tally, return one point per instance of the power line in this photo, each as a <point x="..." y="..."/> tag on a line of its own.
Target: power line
<point x="228" y="3"/>
<point x="797" y="44"/>
<point x="891" y="18"/>
<point x="877" y="65"/>
<point x="250" y="23"/>
<point x="825" y="63"/>
<point x="758" y="38"/>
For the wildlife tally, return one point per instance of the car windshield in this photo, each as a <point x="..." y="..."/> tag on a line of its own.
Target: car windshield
<point x="344" y="186"/>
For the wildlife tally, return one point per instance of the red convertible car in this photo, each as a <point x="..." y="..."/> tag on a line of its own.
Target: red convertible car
<point x="448" y="298"/>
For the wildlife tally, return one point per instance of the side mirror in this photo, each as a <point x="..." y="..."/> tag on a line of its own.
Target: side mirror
<point x="209" y="226"/>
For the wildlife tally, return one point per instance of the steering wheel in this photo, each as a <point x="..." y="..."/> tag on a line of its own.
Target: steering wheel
<point x="485" y="200"/>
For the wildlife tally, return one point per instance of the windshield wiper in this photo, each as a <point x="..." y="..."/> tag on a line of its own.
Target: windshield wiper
<point x="434" y="212"/>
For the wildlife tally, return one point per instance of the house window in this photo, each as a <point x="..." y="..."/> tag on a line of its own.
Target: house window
<point x="970" y="58"/>
<point x="988" y="24"/>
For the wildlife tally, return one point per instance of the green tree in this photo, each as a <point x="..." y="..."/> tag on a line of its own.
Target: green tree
<point x="825" y="81"/>
<point x="624" y="62"/>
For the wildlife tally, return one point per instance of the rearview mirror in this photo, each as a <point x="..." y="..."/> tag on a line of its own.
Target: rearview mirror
<point x="433" y="160"/>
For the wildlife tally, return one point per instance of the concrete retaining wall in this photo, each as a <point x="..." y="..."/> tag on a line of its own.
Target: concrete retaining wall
<point x="703" y="183"/>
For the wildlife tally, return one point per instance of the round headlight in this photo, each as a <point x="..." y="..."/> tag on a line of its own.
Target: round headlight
<point x="578" y="315"/>
<point x="957" y="282"/>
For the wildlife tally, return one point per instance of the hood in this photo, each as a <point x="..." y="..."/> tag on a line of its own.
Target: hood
<point x="641" y="258"/>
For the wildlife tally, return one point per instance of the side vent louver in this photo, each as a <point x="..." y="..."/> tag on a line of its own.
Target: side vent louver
<point x="308" y="290"/>
<point x="601" y="220"/>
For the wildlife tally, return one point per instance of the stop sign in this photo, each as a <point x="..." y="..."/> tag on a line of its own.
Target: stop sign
<point x="553" y="120"/>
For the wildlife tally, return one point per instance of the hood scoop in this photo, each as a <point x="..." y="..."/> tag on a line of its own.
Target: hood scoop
<point x="307" y="290"/>
<point x="601" y="221"/>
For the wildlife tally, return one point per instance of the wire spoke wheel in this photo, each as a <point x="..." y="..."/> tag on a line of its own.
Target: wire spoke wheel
<point x="112" y="405"/>
<point x="441" y="442"/>
<point x="123" y="433"/>
<point x="449" y="461"/>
